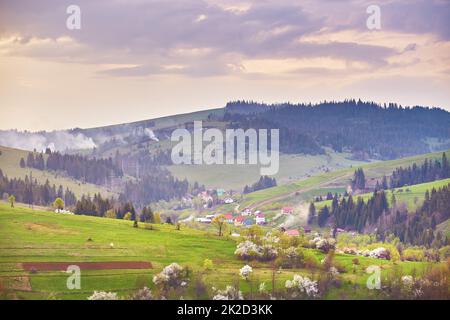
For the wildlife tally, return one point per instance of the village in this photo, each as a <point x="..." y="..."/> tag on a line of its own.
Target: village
<point x="246" y="217"/>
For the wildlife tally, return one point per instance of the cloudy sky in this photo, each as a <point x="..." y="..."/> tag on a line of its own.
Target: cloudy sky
<point x="136" y="59"/>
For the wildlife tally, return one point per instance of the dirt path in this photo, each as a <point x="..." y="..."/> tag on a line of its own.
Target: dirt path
<point x="286" y="195"/>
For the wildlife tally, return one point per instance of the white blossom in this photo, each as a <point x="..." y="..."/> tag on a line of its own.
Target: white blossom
<point x="171" y="276"/>
<point x="245" y="272"/>
<point x="302" y="286"/>
<point x="102" y="295"/>
<point x="230" y="293"/>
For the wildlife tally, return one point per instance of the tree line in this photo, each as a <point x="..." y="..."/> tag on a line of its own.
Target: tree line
<point x="375" y="214"/>
<point x="96" y="171"/>
<point x="30" y="191"/>
<point x="366" y="129"/>
<point x="264" y="182"/>
<point x="415" y="174"/>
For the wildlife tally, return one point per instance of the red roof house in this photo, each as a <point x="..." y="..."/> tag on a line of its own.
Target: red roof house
<point x="287" y="210"/>
<point x="292" y="233"/>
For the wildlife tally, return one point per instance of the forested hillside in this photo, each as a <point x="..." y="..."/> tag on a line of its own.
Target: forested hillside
<point x="365" y="128"/>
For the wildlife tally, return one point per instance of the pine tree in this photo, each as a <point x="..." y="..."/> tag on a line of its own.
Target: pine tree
<point x="311" y="214"/>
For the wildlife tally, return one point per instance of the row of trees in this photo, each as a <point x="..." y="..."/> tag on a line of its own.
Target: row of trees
<point x="375" y="214"/>
<point x="264" y="182"/>
<point x="30" y="191"/>
<point x="415" y="174"/>
<point x="159" y="185"/>
<point x="96" y="171"/>
<point x="105" y="207"/>
<point x="112" y="208"/>
<point x="419" y="227"/>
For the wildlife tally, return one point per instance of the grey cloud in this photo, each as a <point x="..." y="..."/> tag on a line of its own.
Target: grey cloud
<point x="145" y="32"/>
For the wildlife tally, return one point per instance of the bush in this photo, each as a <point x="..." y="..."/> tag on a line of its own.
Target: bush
<point x="302" y="287"/>
<point x="207" y="264"/>
<point x="230" y="293"/>
<point x="413" y="254"/>
<point x="172" y="276"/>
<point x="102" y="295"/>
<point x="323" y="244"/>
<point x="143" y="294"/>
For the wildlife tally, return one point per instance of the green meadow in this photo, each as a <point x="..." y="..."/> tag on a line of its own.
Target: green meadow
<point x="411" y="196"/>
<point x="38" y="236"/>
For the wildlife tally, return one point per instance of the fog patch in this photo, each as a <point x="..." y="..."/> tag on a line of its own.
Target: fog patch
<point x="39" y="141"/>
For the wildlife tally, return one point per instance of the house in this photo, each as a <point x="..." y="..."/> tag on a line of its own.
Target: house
<point x="287" y="210"/>
<point x="260" y="219"/>
<point x="235" y="234"/>
<point x="292" y="233"/>
<point x="210" y="216"/>
<point x="229" y="218"/>
<point x="63" y="211"/>
<point x="246" y="212"/>
<point x="239" y="221"/>
<point x="228" y="200"/>
<point x="203" y="220"/>
<point x="248" y="222"/>
<point x="220" y="192"/>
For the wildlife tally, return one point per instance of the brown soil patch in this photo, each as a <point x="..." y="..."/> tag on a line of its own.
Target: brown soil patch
<point x="107" y="265"/>
<point x="46" y="227"/>
<point x="21" y="283"/>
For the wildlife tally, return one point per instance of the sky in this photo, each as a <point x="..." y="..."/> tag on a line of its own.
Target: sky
<point x="134" y="59"/>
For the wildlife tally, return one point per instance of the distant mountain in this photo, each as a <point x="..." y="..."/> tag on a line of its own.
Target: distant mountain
<point x="366" y="129"/>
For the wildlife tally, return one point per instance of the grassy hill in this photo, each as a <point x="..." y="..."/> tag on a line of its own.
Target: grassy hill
<point x="292" y="168"/>
<point x="338" y="180"/>
<point x="37" y="236"/>
<point x="9" y="164"/>
<point x="411" y="196"/>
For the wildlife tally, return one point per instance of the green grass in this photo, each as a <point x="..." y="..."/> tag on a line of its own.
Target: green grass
<point x="291" y="168"/>
<point x="9" y="164"/>
<point x="33" y="236"/>
<point x="335" y="179"/>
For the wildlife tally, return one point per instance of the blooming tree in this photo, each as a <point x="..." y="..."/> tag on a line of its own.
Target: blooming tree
<point x="102" y="295"/>
<point x="300" y="287"/>
<point x="230" y="293"/>
<point x="172" y="276"/>
<point x="245" y="272"/>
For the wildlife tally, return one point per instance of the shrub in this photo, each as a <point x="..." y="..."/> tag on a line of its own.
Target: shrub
<point x="172" y="276"/>
<point x="302" y="287"/>
<point x="230" y="293"/>
<point x="413" y="254"/>
<point x="102" y="295"/>
<point x="245" y="272"/>
<point x="323" y="244"/>
<point x="143" y="294"/>
<point x="207" y="264"/>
